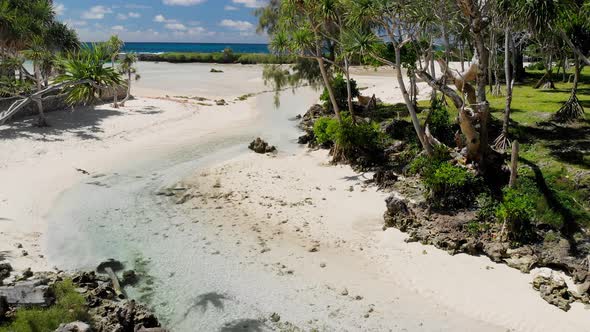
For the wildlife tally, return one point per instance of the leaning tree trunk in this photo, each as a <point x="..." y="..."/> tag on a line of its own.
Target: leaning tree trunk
<point x="411" y="107"/>
<point x="128" y="89"/>
<point x="349" y="89"/>
<point x="328" y="86"/>
<point x="502" y="142"/>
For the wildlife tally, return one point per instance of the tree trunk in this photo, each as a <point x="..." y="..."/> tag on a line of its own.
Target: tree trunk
<point x="411" y="107"/>
<point x="42" y="120"/>
<point x="128" y="89"/>
<point x="349" y="89"/>
<point x="328" y="86"/>
<point x="483" y="106"/>
<point x="502" y="141"/>
<point x="115" y="88"/>
<point x="520" y="73"/>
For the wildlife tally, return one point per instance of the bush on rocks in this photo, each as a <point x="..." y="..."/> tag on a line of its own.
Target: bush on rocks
<point x="516" y="212"/>
<point x="361" y="143"/>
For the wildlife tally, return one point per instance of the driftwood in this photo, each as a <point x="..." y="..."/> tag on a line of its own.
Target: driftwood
<point x="115" y="281"/>
<point x="27" y="293"/>
<point x="109" y="268"/>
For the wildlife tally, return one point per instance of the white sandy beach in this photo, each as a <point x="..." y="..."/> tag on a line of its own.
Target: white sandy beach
<point x="244" y="241"/>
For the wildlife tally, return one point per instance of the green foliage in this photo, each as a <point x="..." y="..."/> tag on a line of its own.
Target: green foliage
<point x="320" y="129"/>
<point x="70" y="306"/>
<point x="487" y="208"/>
<point x="351" y="140"/>
<point x="536" y="66"/>
<point x="425" y="165"/>
<point x="340" y="92"/>
<point x="516" y="210"/>
<point x="88" y="64"/>
<point x="440" y="125"/>
<point x="451" y="186"/>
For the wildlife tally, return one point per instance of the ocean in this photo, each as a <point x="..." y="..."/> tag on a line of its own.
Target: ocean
<point x="194" y="47"/>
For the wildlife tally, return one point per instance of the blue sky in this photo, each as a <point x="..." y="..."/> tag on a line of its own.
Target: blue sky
<point x="224" y="21"/>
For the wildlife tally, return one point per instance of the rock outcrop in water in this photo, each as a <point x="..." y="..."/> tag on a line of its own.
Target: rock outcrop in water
<point x="260" y="146"/>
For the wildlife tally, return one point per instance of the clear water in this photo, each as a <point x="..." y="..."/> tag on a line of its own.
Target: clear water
<point x="124" y="219"/>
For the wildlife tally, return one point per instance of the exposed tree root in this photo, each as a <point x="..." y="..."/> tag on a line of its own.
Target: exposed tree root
<point x="570" y="111"/>
<point x="501" y="143"/>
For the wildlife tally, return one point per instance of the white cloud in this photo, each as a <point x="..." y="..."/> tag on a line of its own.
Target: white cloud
<point x="175" y="26"/>
<point x="121" y="16"/>
<point x="134" y="15"/>
<point x="159" y="18"/>
<point x="59" y="8"/>
<point x="136" y="6"/>
<point x="118" y="28"/>
<point x="252" y="3"/>
<point x="96" y="13"/>
<point x="237" y="25"/>
<point x="228" y="7"/>
<point x="183" y="2"/>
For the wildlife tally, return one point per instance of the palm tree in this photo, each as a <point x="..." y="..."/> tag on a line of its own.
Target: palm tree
<point x="114" y="44"/>
<point x="128" y="68"/>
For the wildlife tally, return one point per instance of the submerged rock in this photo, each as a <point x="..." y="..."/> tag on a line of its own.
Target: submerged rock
<point x="260" y="146"/>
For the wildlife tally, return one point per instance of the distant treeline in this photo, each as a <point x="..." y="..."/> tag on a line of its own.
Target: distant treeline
<point x="220" y="57"/>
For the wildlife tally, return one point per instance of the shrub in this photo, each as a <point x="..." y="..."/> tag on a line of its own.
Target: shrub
<point x="70" y="306"/>
<point x="320" y="129"/>
<point x="450" y="186"/>
<point x="351" y="140"/>
<point x="340" y="92"/>
<point x="516" y="211"/>
<point x="425" y="165"/>
<point x="487" y="208"/>
<point x="440" y="125"/>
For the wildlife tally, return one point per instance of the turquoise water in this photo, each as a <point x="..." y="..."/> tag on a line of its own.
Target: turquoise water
<point x="194" y="47"/>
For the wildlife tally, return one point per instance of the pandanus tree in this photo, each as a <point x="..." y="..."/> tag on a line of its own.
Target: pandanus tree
<point x="394" y="19"/>
<point x="86" y="74"/>
<point x="300" y="30"/>
<point x="114" y="46"/>
<point x="128" y="68"/>
<point x="28" y="29"/>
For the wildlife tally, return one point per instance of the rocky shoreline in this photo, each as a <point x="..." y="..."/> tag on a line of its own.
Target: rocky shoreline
<point x="106" y="306"/>
<point x="409" y="211"/>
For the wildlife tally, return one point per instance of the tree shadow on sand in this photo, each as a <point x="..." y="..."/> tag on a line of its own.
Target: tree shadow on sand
<point x="83" y="123"/>
<point x="204" y="300"/>
<point x="241" y="325"/>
